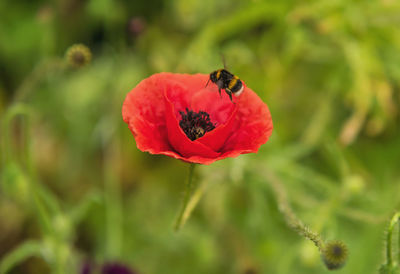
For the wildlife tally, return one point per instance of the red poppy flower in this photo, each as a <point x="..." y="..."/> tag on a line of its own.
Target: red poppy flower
<point x="176" y="115"/>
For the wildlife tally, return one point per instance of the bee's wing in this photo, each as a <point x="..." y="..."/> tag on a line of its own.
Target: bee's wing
<point x="223" y="60"/>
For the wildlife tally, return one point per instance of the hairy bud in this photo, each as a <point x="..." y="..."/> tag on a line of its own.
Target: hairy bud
<point x="334" y="254"/>
<point x="78" y="55"/>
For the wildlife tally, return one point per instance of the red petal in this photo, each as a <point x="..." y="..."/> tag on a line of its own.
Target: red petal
<point x="143" y="111"/>
<point x="222" y="112"/>
<point x="219" y="107"/>
<point x="253" y="124"/>
<point x="177" y="138"/>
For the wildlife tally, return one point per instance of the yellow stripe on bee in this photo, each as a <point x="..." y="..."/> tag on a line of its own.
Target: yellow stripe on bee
<point x="233" y="82"/>
<point x="218" y="73"/>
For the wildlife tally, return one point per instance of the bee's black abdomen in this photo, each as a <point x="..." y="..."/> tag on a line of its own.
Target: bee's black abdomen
<point x="237" y="87"/>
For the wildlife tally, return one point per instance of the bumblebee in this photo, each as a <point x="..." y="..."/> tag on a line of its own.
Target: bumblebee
<point x="227" y="81"/>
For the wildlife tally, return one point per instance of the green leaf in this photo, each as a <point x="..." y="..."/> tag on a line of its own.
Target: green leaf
<point x="19" y="254"/>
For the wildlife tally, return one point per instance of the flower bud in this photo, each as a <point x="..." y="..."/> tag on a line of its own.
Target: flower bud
<point x="78" y="55"/>
<point x="334" y="254"/>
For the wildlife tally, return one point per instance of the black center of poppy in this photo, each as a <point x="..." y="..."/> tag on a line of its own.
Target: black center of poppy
<point x="195" y="124"/>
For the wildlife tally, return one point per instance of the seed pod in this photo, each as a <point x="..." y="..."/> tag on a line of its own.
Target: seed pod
<point x="78" y="55"/>
<point x="334" y="254"/>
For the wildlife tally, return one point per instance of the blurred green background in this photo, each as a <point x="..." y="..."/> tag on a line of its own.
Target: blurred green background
<point x="74" y="188"/>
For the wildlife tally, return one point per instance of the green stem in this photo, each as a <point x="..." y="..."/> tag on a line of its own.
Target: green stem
<point x="389" y="254"/>
<point x="20" y="109"/>
<point x="398" y="239"/>
<point x="45" y="209"/>
<point x="38" y="203"/>
<point x="35" y="77"/>
<point x="19" y="254"/>
<point x="194" y="199"/>
<point x="23" y="110"/>
<point x="184" y="213"/>
<point x="114" y="217"/>
<point x="114" y="208"/>
<point x="12" y="112"/>
<point x="290" y="218"/>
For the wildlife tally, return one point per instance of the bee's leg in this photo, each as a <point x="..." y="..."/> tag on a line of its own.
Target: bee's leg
<point x="230" y="94"/>
<point x="207" y="82"/>
<point x="220" y="85"/>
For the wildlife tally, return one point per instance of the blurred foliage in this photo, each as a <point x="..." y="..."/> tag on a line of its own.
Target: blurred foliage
<point x="75" y="188"/>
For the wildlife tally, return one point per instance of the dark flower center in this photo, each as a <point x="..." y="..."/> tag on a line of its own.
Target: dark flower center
<point x="195" y="124"/>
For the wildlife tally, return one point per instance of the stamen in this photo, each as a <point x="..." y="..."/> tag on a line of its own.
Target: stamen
<point x="195" y="124"/>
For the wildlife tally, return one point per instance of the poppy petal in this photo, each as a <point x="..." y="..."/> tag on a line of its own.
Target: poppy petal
<point x="177" y="138"/>
<point x="253" y="124"/>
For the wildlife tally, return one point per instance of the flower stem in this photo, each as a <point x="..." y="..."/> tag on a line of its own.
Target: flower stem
<point x="333" y="253"/>
<point x="24" y="111"/>
<point x="290" y="218"/>
<point x="393" y="221"/>
<point x="38" y="195"/>
<point x="35" y="77"/>
<point x="27" y="249"/>
<point x="15" y="110"/>
<point x="185" y="213"/>
<point x="113" y="200"/>
<point x="398" y="239"/>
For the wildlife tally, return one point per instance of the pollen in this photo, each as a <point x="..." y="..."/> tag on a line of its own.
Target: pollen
<point x="195" y="124"/>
